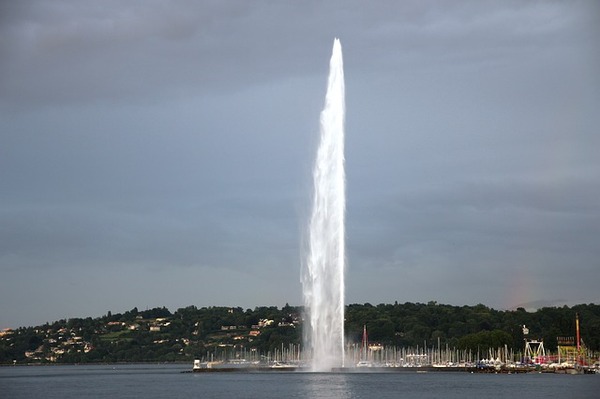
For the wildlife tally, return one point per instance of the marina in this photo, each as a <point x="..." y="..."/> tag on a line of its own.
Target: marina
<point x="571" y="357"/>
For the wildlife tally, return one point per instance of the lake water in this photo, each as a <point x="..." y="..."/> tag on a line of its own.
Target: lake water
<point x="168" y="381"/>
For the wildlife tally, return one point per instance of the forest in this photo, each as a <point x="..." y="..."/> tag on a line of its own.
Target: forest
<point x="159" y="335"/>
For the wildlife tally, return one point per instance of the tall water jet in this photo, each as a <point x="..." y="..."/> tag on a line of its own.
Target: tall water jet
<point x="323" y="271"/>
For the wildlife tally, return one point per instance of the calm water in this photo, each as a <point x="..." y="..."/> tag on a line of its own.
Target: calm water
<point x="167" y="381"/>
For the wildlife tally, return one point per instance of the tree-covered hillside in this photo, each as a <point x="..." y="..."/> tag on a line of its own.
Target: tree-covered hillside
<point x="467" y="327"/>
<point x="191" y="332"/>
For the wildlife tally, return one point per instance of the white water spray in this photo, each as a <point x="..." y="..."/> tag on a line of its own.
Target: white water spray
<point x="323" y="274"/>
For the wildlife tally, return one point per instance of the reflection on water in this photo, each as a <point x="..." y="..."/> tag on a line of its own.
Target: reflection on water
<point x="327" y="386"/>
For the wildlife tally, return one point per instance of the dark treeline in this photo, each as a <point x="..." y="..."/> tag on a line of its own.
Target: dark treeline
<point x="161" y="335"/>
<point x="470" y="327"/>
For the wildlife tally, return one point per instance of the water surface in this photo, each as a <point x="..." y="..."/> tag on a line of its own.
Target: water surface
<point x="168" y="381"/>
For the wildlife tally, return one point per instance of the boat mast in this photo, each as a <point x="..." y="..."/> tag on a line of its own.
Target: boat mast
<point x="577" y="331"/>
<point x="365" y="342"/>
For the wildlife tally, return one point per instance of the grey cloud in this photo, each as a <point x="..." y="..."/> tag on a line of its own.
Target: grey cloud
<point x="170" y="145"/>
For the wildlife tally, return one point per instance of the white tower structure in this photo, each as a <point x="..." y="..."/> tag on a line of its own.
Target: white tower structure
<point x="534" y="349"/>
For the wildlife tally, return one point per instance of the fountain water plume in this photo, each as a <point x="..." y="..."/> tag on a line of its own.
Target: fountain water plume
<point x="323" y="272"/>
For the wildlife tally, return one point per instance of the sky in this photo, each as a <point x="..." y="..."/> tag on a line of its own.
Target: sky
<point x="159" y="153"/>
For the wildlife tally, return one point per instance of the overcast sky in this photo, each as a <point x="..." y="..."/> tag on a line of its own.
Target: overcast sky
<point x="159" y="153"/>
